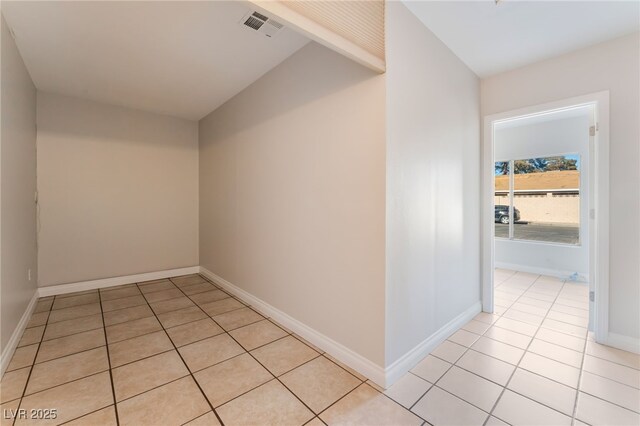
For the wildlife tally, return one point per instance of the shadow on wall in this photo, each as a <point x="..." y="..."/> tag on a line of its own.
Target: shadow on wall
<point x="279" y="96"/>
<point x="109" y="123"/>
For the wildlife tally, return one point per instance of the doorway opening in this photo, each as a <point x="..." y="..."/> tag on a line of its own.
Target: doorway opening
<point x="545" y="213"/>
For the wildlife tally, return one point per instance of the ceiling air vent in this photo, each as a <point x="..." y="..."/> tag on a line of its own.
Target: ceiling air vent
<point x="262" y="24"/>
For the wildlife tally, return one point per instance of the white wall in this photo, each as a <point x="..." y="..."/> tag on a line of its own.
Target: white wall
<point x="292" y="195"/>
<point x="18" y="186"/>
<point x="433" y="158"/>
<point x="563" y="135"/>
<point x="613" y="66"/>
<point x="118" y="191"/>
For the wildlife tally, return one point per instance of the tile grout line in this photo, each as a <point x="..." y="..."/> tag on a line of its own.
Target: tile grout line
<point x="113" y="389"/>
<point x="468" y="348"/>
<point x="26" y="384"/>
<point x="293" y="393"/>
<point x="252" y="356"/>
<point x="183" y="361"/>
<point x="522" y="357"/>
<point x="575" y="403"/>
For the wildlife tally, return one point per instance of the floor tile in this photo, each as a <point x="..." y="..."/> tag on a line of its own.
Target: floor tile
<point x="464" y="338"/>
<point x="209" y="296"/>
<point x="119" y="293"/>
<point x="37" y="319"/>
<point x="596" y="412"/>
<point x="43" y="305"/>
<point x="66" y="302"/>
<point x="156" y="286"/>
<point x="197" y="288"/>
<point x="73" y="399"/>
<point x="486" y="317"/>
<point x="194" y="331"/>
<point x="207" y="419"/>
<point x="558" y="353"/>
<point x="530" y="309"/>
<point x="523" y="317"/>
<point x="493" y="421"/>
<point x="269" y="404"/>
<point x="565" y="328"/>
<point x="103" y="417"/>
<point x="544" y="391"/>
<point x="614" y="392"/>
<point x="441" y="408"/>
<point x="139" y="347"/>
<point x="477" y="327"/>
<point x="516" y="326"/>
<point x="68" y="345"/>
<point x="159" y="296"/>
<point x="238" y="318"/>
<point x="509" y="337"/>
<point x="125" y="302"/>
<point x="284" y="355"/>
<point x="31" y="336"/>
<point x="518" y="410"/>
<point x="63" y="370"/>
<point x="366" y="406"/>
<point x="181" y="316"/>
<point x="319" y="383"/>
<point x="130" y="329"/>
<point x="535" y="302"/>
<point x="502" y="351"/>
<point x="551" y="369"/>
<point x="408" y="390"/>
<point x="449" y="351"/>
<point x="570" y="319"/>
<point x="224" y="381"/>
<point x="127" y="314"/>
<point x="470" y="388"/>
<point x="614" y="355"/>
<point x="345" y="367"/>
<point x="69" y="327"/>
<point x="431" y="368"/>
<point x="23" y="357"/>
<point x="140" y="376"/>
<point x="257" y="334"/>
<point x="187" y="280"/>
<point x="221" y="306"/>
<point x="485" y="366"/>
<point x="210" y="351"/>
<point x="74" y="312"/>
<point x="13" y="384"/>
<point x="561" y="339"/>
<point x="620" y="373"/>
<point x="171" y="305"/>
<point x="181" y="401"/>
<point x="8" y="416"/>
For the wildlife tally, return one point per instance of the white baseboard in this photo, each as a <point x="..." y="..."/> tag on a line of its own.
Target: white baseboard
<point x="625" y="343"/>
<point x="354" y="360"/>
<point x="12" y="344"/>
<point x="409" y="360"/>
<point x="564" y="275"/>
<point x="115" y="281"/>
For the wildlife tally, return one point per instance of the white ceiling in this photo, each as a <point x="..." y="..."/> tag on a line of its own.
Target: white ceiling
<point x="178" y="58"/>
<point x="492" y="38"/>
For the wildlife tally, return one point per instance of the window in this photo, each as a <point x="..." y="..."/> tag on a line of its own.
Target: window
<point x="538" y="199"/>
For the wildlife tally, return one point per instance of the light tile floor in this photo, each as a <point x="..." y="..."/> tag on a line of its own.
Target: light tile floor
<point x="182" y="351"/>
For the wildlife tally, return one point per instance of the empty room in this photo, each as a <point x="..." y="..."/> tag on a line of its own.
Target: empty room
<point x="305" y="212"/>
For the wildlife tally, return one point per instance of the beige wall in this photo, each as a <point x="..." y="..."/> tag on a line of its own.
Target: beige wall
<point x="545" y="208"/>
<point x="292" y="201"/>
<point x="433" y="158"/>
<point x="613" y="66"/>
<point x="18" y="186"/>
<point x="118" y="191"/>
